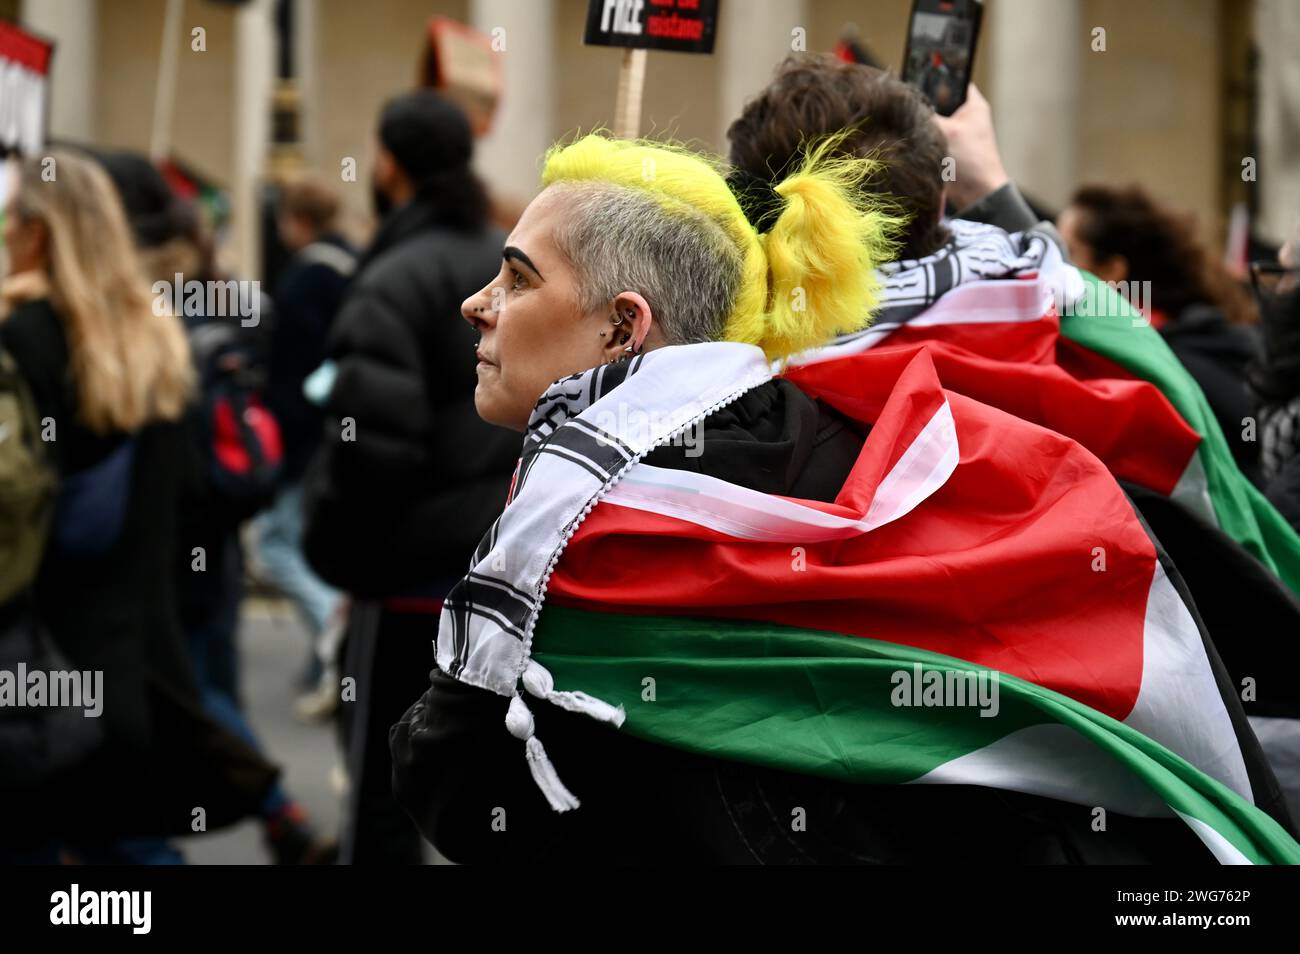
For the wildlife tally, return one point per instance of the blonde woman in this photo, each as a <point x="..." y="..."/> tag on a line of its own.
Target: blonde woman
<point x="111" y="381"/>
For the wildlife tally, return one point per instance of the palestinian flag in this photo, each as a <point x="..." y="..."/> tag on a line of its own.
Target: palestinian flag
<point x="1104" y="338"/>
<point x="980" y="604"/>
<point x="1013" y="325"/>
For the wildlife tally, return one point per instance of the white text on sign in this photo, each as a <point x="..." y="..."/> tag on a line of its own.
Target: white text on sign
<point x="625" y="14"/>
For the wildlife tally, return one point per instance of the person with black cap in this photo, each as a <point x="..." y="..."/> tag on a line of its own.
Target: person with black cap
<point x="408" y="477"/>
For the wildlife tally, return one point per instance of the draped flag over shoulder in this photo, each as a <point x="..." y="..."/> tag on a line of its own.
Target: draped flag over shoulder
<point x="979" y="605"/>
<point x="1013" y="325"/>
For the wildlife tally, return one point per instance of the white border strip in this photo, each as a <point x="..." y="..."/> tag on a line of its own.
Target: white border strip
<point x="991" y="301"/>
<point x="748" y="514"/>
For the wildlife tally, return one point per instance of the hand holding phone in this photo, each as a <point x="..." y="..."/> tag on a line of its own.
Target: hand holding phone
<point x="941" y="50"/>
<point x="974" y="147"/>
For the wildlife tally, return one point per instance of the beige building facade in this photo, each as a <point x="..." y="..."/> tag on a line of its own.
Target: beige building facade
<point x="1082" y="90"/>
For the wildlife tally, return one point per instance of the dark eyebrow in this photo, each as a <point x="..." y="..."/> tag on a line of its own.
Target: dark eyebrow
<point x="511" y="252"/>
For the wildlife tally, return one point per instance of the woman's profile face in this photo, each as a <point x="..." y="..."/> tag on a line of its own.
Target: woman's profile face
<point x="533" y="331"/>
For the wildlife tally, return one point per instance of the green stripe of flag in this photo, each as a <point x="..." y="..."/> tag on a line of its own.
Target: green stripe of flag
<point x="820" y="703"/>
<point x="1244" y="513"/>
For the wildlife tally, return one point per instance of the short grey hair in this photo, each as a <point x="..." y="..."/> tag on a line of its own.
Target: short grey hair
<point x="683" y="263"/>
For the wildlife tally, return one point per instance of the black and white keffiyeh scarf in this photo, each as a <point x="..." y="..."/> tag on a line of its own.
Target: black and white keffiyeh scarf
<point x="585" y="433"/>
<point x="975" y="252"/>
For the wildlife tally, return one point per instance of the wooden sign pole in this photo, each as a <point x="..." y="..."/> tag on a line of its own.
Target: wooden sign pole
<point x="631" y="88"/>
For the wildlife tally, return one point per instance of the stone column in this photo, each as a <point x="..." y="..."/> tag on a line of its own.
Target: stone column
<point x="72" y="24"/>
<point x="509" y="156"/>
<point x="254" y="79"/>
<point x="1035" y="51"/>
<point x="752" y="38"/>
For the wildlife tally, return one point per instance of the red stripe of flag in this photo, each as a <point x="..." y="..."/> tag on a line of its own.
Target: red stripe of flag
<point x="997" y="567"/>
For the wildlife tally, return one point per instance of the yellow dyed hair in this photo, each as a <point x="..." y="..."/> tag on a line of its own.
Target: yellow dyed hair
<point x="809" y="278"/>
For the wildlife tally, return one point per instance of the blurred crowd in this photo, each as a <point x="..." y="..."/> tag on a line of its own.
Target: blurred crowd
<point x="329" y="440"/>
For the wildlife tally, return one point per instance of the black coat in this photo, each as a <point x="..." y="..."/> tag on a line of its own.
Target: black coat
<point x="407" y="500"/>
<point x="1283" y="490"/>
<point x="1275" y="381"/>
<point x="117" y="613"/>
<point x="1217" y="354"/>
<point x="454" y="762"/>
<point x="307" y="297"/>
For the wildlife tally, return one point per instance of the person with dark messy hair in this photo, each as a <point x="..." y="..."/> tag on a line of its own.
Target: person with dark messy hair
<point x="886" y="119"/>
<point x="1124" y="235"/>
<point x="407" y="477"/>
<point x="991" y="291"/>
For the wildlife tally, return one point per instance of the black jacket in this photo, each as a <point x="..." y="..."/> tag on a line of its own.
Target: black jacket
<point x="307" y="296"/>
<point x="118" y="613"/>
<point x="454" y="762"/>
<point x="1217" y="354"/>
<point x="1283" y="489"/>
<point x="404" y="493"/>
<point x="1275" y="381"/>
<point x="209" y="520"/>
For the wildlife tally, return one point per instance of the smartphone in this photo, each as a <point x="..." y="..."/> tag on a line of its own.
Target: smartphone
<point x="941" y="50"/>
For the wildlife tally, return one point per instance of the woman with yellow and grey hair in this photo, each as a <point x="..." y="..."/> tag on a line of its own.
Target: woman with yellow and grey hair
<point x="640" y="263"/>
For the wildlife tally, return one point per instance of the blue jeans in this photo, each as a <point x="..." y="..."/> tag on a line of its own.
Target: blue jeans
<point x="214" y="655"/>
<point x="223" y="709"/>
<point x="279" y="544"/>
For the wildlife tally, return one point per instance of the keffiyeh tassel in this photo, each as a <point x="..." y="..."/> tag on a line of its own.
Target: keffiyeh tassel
<point x="519" y="720"/>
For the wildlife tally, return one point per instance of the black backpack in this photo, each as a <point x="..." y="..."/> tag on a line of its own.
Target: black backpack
<point x="240" y="439"/>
